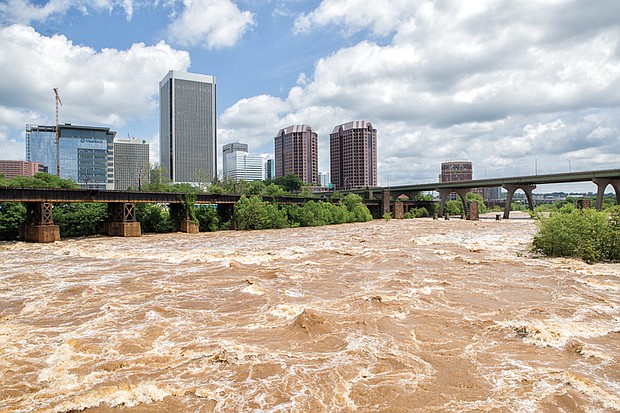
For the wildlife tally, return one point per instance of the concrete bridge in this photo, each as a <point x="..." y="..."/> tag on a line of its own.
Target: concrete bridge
<point x="602" y="179"/>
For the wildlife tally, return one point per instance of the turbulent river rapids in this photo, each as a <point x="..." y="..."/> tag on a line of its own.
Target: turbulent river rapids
<point x="386" y="316"/>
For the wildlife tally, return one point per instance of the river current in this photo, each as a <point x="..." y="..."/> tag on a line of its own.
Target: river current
<point x="387" y="316"/>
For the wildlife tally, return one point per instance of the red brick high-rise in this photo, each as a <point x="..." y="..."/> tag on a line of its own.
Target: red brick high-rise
<point x="297" y="152"/>
<point x="353" y="155"/>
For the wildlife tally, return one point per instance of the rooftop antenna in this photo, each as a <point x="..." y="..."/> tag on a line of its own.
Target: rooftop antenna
<point x="57" y="133"/>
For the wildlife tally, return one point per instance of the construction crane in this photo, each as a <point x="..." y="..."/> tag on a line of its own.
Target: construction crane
<point x="57" y="133"/>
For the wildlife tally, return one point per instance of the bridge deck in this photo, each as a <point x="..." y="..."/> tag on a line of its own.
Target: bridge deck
<point x="568" y="177"/>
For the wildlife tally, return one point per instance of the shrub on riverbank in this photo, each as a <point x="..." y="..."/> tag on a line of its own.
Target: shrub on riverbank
<point x="79" y="219"/>
<point x="586" y="234"/>
<point x="254" y="213"/>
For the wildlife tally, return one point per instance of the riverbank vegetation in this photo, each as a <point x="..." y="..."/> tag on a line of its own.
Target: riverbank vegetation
<point x="587" y="234"/>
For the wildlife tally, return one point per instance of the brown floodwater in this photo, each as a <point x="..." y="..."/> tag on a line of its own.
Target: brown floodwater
<point x="400" y="316"/>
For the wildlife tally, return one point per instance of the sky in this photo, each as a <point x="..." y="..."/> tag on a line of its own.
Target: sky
<point x="518" y="87"/>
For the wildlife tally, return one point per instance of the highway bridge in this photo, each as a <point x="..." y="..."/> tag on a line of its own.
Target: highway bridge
<point x="602" y="179"/>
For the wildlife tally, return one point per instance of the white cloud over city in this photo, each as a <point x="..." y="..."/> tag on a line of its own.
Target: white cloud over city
<point x="498" y="83"/>
<point x="503" y="84"/>
<point x="96" y="87"/>
<point x="210" y="23"/>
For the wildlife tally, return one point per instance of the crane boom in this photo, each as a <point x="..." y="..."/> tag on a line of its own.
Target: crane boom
<point x="57" y="133"/>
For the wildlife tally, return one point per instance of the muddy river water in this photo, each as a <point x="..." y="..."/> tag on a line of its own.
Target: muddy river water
<point x="400" y="316"/>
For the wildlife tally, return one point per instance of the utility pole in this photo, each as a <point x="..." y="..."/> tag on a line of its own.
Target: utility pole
<point x="57" y="133"/>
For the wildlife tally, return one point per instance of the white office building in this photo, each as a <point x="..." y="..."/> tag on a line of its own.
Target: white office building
<point x="239" y="164"/>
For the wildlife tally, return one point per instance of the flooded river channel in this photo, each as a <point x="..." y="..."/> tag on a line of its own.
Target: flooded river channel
<point x="401" y="316"/>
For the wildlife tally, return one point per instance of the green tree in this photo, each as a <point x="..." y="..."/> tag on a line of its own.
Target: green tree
<point x="208" y="218"/>
<point x="12" y="216"/>
<point x="338" y="213"/>
<point x="290" y="182"/>
<point x="454" y="207"/>
<point x="153" y="218"/>
<point x="570" y="232"/>
<point x="274" y="190"/>
<point x="80" y="219"/>
<point x="41" y="180"/>
<point x="611" y="237"/>
<point x="256" y="188"/>
<point x="358" y="212"/>
<point x="250" y="213"/>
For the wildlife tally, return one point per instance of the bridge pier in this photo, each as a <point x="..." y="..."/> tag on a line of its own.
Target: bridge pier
<point x="122" y="220"/>
<point x="39" y="226"/>
<point x="385" y="202"/>
<point x="511" y="189"/>
<point x="182" y="218"/>
<point x="601" y="185"/>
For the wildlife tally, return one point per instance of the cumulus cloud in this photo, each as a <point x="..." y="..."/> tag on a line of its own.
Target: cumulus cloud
<point x="96" y="87"/>
<point x="382" y="17"/>
<point x="212" y="24"/>
<point x="496" y="83"/>
<point x="26" y="12"/>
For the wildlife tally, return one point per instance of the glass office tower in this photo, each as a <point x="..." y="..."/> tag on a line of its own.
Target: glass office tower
<point x="187" y="134"/>
<point x="86" y="153"/>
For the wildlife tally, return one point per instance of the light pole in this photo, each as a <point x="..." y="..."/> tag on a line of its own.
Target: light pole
<point x="569" y="166"/>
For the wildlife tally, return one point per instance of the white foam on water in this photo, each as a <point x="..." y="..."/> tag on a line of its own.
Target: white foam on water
<point x="128" y="395"/>
<point x="557" y="333"/>
<point x="254" y="290"/>
<point x="287" y="311"/>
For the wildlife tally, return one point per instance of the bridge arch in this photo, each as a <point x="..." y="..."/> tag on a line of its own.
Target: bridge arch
<point x="601" y="185"/>
<point x="511" y="189"/>
<point x="443" y="197"/>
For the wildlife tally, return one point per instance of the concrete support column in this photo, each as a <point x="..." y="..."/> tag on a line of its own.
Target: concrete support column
<point x="385" y="201"/>
<point x="462" y="193"/>
<point x="182" y="219"/>
<point x="473" y="214"/>
<point x="39" y="226"/>
<point x="443" y="197"/>
<point x="122" y="220"/>
<point x="601" y="184"/>
<point x="399" y="210"/>
<point x="511" y="189"/>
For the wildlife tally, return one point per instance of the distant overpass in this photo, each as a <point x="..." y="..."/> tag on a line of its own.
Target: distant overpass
<point x="602" y="179"/>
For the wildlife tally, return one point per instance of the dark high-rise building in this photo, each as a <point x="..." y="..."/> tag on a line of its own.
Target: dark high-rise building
<point x="297" y="152"/>
<point x="353" y="155"/>
<point x="270" y="169"/>
<point x="234" y="147"/>
<point x="188" y="139"/>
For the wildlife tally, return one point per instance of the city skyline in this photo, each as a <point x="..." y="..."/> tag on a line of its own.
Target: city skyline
<point x="518" y="88"/>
